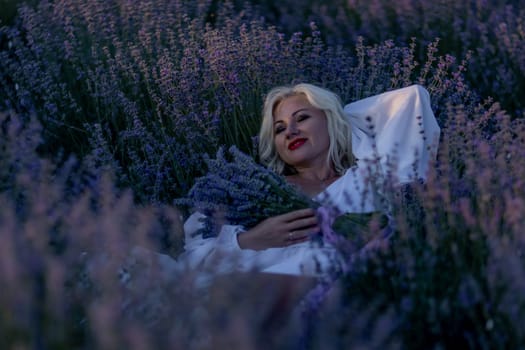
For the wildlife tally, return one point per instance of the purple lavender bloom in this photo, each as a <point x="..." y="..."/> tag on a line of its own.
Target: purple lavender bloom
<point x="241" y="192"/>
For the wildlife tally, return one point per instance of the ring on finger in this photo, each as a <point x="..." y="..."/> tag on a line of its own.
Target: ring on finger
<point x="290" y="235"/>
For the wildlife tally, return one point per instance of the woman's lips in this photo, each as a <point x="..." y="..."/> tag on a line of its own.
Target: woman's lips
<point x="296" y="144"/>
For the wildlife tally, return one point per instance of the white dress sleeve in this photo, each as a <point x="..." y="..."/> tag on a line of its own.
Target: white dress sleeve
<point x="397" y="127"/>
<point x="204" y="253"/>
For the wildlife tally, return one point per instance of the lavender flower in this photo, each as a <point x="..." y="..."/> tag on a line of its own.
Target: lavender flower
<point x="241" y="192"/>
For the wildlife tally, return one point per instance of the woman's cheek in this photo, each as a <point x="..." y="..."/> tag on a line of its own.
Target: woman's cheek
<point x="279" y="145"/>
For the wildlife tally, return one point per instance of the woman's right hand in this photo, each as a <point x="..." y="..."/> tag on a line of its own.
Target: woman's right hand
<point x="281" y="231"/>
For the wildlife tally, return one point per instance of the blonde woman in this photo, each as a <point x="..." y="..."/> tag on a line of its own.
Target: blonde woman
<point x="325" y="150"/>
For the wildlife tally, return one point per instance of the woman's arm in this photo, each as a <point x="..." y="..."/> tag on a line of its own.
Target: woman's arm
<point x="275" y="232"/>
<point x="200" y="251"/>
<point x="399" y="128"/>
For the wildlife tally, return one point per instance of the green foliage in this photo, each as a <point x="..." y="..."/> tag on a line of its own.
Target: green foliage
<point x="138" y="92"/>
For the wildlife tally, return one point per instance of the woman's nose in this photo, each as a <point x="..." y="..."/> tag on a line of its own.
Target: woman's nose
<point x="291" y="130"/>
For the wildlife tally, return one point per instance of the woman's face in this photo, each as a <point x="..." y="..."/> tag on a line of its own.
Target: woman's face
<point x="301" y="133"/>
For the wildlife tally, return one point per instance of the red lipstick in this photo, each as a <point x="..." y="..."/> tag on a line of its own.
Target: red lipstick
<point x="295" y="144"/>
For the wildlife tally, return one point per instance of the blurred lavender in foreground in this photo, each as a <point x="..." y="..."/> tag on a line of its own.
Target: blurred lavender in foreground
<point x="143" y="89"/>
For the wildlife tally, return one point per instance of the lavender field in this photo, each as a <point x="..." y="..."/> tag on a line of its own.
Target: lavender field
<point x="107" y="108"/>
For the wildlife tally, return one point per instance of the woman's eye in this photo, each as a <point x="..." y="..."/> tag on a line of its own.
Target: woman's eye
<point x="303" y="117"/>
<point x="279" y="130"/>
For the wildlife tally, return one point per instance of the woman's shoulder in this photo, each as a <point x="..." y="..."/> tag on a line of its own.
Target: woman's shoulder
<point x="350" y="193"/>
<point x="336" y="187"/>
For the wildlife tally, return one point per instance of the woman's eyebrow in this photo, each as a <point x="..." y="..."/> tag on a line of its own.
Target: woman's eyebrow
<point x="299" y="110"/>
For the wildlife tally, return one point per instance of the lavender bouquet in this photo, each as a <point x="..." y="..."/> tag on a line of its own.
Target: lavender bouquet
<point x="239" y="191"/>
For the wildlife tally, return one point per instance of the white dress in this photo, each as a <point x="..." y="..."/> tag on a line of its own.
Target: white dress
<point x="400" y="119"/>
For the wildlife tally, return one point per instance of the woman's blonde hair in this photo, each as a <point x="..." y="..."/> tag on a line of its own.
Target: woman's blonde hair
<point x="339" y="131"/>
